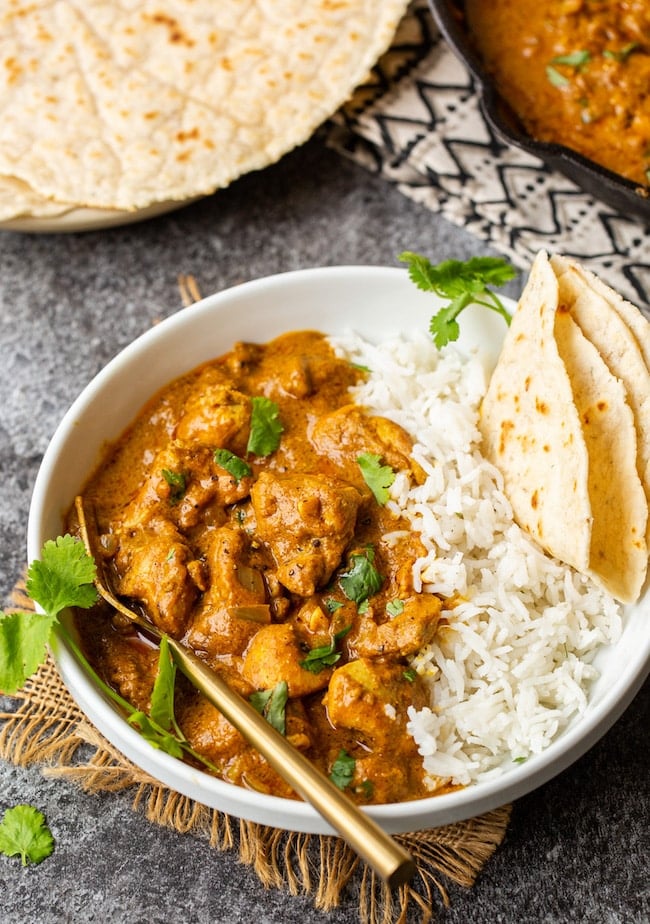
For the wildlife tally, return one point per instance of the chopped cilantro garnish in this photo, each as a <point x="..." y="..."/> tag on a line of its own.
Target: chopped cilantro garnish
<point x="177" y="482"/>
<point x="395" y="607"/>
<point x="463" y="283"/>
<point x="272" y="705"/>
<point x="575" y="59"/>
<point x="232" y="464"/>
<point x="409" y="674"/>
<point x="332" y="605"/>
<point x="378" y="477"/>
<point x="325" y="655"/>
<point x="24" y="833"/>
<point x="623" y="54"/>
<point x="266" y="428"/>
<point x="555" y="78"/>
<point x="362" y="580"/>
<point x="343" y="770"/>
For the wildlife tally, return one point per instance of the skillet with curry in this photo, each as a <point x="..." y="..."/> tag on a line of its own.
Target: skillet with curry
<point x="566" y="81"/>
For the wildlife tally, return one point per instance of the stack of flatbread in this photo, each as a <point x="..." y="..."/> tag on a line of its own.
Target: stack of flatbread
<point x="567" y="420"/>
<point x="120" y="105"/>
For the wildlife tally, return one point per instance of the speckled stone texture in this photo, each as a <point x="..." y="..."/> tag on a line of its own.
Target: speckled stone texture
<point x="576" y="849"/>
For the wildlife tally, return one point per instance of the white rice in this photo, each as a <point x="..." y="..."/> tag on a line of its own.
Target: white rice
<point x="514" y="666"/>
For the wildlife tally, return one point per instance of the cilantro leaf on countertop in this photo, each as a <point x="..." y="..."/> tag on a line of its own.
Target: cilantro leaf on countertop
<point x="266" y="427"/>
<point x="24" y="833"/>
<point x="378" y="477"/>
<point x="463" y="283"/>
<point x="232" y="464"/>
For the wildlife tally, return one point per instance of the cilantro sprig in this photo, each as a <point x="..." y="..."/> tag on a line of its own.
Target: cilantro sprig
<point x="463" y="283"/>
<point x="64" y="577"/>
<point x="24" y="833"/>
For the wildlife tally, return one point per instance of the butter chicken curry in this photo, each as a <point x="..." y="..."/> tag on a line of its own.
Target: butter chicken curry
<point x="576" y="72"/>
<point x="235" y="512"/>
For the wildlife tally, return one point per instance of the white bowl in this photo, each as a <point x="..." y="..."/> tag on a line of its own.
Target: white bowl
<point x="375" y="302"/>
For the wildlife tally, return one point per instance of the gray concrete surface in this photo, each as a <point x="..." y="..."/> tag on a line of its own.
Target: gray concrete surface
<point x="576" y="849"/>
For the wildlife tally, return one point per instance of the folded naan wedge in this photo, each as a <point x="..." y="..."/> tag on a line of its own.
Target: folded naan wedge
<point x="563" y="419"/>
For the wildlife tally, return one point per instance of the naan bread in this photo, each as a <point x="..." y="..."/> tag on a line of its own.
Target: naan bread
<point x="532" y="431"/>
<point x="121" y="105"/>
<point x="618" y="554"/>
<point x="566" y="420"/>
<point x="606" y="328"/>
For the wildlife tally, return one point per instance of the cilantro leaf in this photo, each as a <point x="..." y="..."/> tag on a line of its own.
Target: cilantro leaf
<point x="23" y="641"/>
<point x="177" y="482"/>
<point x="463" y="283"/>
<point x="362" y="580"/>
<point x="324" y="656"/>
<point x="343" y="770"/>
<point x="63" y="577"/>
<point x="232" y="464"/>
<point x="378" y="477"/>
<point x="272" y="705"/>
<point x="24" y="833"/>
<point x="575" y="59"/>
<point x="161" y="710"/>
<point x="266" y="428"/>
<point x="395" y="607"/>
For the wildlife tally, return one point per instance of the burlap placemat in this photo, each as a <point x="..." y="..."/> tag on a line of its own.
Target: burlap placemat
<point x="418" y="124"/>
<point x="48" y="729"/>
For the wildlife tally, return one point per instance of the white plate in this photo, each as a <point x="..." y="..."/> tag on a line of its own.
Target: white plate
<point x="87" y="219"/>
<point x="376" y="302"/>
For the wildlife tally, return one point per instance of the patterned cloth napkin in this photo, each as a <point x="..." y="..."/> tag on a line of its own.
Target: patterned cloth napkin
<point x="418" y="123"/>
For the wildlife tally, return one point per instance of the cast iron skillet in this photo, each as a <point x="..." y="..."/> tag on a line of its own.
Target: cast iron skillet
<point x="614" y="190"/>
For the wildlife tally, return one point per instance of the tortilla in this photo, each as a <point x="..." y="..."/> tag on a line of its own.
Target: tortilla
<point x="565" y="419"/>
<point x="532" y="431"/>
<point x="118" y="106"/>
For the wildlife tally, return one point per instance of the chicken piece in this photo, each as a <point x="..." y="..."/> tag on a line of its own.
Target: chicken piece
<point x="307" y="521"/>
<point x="236" y="600"/>
<point x="154" y="565"/>
<point x="402" y="635"/>
<point x="371" y="698"/>
<point x="217" y="416"/>
<point x="274" y="654"/>
<point x="182" y="482"/>
<point x="348" y="432"/>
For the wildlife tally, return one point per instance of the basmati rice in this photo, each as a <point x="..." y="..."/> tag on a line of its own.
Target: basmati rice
<point x="514" y="665"/>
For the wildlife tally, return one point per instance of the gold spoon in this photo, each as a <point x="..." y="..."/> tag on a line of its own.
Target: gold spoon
<point x="388" y="858"/>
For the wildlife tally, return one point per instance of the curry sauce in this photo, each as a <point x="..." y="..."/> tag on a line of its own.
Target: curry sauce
<point x="576" y="72"/>
<point x="277" y="565"/>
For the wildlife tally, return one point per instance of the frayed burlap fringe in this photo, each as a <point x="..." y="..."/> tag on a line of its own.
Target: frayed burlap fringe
<point x="48" y="728"/>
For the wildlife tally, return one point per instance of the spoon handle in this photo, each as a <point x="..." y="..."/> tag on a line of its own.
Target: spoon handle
<point x="394" y="864"/>
<point x="388" y="858"/>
